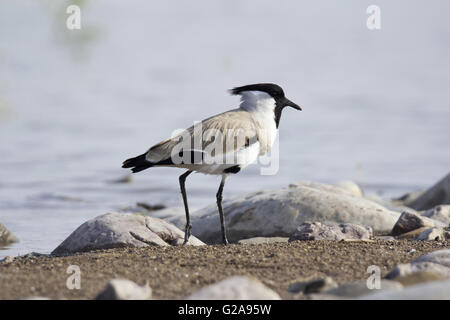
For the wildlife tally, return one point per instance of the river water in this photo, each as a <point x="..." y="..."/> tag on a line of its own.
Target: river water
<point x="75" y="103"/>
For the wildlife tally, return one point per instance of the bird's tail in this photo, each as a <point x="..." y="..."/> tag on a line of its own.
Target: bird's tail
<point x="137" y="164"/>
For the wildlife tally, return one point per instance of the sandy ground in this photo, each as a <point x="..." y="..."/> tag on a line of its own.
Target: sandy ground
<point x="174" y="272"/>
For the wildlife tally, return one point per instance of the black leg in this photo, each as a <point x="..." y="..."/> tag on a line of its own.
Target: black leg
<point x="219" y="205"/>
<point x="187" y="230"/>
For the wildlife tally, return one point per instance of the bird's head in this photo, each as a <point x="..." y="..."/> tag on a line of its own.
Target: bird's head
<point x="264" y="96"/>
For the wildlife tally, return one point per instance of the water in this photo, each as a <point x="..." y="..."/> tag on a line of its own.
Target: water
<point x="75" y="104"/>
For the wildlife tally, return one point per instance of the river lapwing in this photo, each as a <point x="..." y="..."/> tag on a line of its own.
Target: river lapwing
<point x="223" y="144"/>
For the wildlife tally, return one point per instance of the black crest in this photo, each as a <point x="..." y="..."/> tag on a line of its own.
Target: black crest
<point x="272" y="89"/>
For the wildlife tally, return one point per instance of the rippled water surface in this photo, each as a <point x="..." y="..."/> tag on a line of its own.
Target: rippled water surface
<point x="75" y="104"/>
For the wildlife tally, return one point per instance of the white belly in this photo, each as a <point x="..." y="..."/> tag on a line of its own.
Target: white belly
<point x="241" y="158"/>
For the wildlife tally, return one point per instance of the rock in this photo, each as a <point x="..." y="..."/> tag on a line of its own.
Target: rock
<point x="320" y="231"/>
<point x="6" y="237"/>
<point x="406" y="269"/>
<point x="276" y="213"/>
<point x="235" y="288"/>
<point x="419" y="277"/>
<point x="447" y="235"/>
<point x="441" y="257"/>
<point x="437" y="262"/>
<point x="36" y="298"/>
<point x="440" y="213"/>
<point x="121" y="230"/>
<point x="359" y="288"/>
<point x="312" y="286"/>
<point x="352" y="187"/>
<point x="436" y="195"/>
<point x="411" y="234"/>
<point x="258" y="240"/>
<point x="407" y="199"/>
<point x="7" y="259"/>
<point x="123" y="289"/>
<point x="431" y="234"/>
<point x="436" y="290"/>
<point x="409" y="221"/>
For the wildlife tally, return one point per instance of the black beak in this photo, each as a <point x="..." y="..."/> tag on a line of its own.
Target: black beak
<point x="291" y="104"/>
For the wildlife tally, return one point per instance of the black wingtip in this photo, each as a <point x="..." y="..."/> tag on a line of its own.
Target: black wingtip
<point x="137" y="164"/>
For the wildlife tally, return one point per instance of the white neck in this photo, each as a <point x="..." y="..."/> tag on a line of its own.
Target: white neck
<point x="262" y="108"/>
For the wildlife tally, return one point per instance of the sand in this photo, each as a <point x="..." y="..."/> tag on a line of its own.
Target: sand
<point x="174" y="272"/>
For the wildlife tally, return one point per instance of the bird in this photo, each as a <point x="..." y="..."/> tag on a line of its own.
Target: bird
<point x="223" y="144"/>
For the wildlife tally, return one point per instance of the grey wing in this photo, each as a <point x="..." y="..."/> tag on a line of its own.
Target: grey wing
<point x="222" y="134"/>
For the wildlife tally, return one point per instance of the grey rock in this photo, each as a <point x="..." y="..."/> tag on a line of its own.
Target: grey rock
<point x="419" y="277"/>
<point x="6" y="237"/>
<point x="123" y="289"/>
<point x="441" y="257"/>
<point x="259" y="240"/>
<point x="436" y="195"/>
<point x="352" y="187"/>
<point x="435" y="290"/>
<point x="437" y="262"/>
<point x="431" y="234"/>
<point x="7" y="259"/>
<point x="312" y="286"/>
<point x="114" y="230"/>
<point x="320" y="231"/>
<point x="235" y="288"/>
<point x="409" y="221"/>
<point x="407" y="269"/>
<point x="277" y="213"/>
<point x="440" y="213"/>
<point x="359" y="288"/>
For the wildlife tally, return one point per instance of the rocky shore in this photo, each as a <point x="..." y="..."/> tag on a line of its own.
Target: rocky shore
<point x="306" y="241"/>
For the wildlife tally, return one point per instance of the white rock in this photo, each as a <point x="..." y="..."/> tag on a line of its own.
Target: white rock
<point x="321" y="231"/>
<point x="440" y="213"/>
<point x="7" y="259"/>
<point x="436" y="195"/>
<point x="6" y="237"/>
<point x="121" y="230"/>
<point x="431" y="234"/>
<point x="435" y="290"/>
<point x="235" y="288"/>
<point x="123" y="289"/>
<point x="276" y="213"/>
